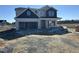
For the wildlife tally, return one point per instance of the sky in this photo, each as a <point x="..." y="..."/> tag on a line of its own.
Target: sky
<point x="66" y="12"/>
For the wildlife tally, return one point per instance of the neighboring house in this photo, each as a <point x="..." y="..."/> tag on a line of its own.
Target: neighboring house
<point x="31" y="18"/>
<point x="2" y="22"/>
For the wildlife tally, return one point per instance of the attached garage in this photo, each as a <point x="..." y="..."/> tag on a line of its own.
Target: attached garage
<point x="28" y="25"/>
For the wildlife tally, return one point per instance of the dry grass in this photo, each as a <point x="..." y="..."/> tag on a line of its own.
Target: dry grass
<point x="46" y="44"/>
<point x="73" y="36"/>
<point x="68" y="25"/>
<point x="4" y="28"/>
<point x="2" y="43"/>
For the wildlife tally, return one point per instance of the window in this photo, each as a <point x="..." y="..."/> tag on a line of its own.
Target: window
<point x="28" y="13"/>
<point x="50" y="13"/>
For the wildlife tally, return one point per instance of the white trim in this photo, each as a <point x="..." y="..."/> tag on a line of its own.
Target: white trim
<point x="52" y="19"/>
<point x="26" y="19"/>
<point x="41" y="18"/>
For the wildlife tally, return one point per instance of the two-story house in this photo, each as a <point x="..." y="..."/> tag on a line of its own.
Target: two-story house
<point x="31" y="18"/>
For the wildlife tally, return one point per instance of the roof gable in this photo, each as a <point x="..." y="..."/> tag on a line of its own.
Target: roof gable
<point x="45" y="8"/>
<point x="24" y="14"/>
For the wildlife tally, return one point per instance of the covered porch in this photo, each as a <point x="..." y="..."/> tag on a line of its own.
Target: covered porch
<point x="46" y="23"/>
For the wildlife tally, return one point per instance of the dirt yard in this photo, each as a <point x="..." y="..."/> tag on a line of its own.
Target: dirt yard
<point x="66" y="43"/>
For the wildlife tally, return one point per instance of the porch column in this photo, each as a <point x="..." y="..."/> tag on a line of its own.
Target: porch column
<point x="17" y="25"/>
<point x="47" y="24"/>
<point x="39" y="24"/>
<point x="55" y="23"/>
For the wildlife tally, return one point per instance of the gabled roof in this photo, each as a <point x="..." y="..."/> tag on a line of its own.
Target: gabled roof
<point x="24" y="15"/>
<point x="32" y="9"/>
<point x="47" y="7"/>
<point x="35" y="11"/>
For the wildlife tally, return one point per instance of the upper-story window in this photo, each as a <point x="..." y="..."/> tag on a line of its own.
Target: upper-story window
<point x="50" y="13"/>
<point x="28" y="13"/>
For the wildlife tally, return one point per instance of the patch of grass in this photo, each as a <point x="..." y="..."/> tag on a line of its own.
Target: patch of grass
<point x="2" y="43"/>
<point x="19" y="48"/>
<point x="55" y="44"/>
